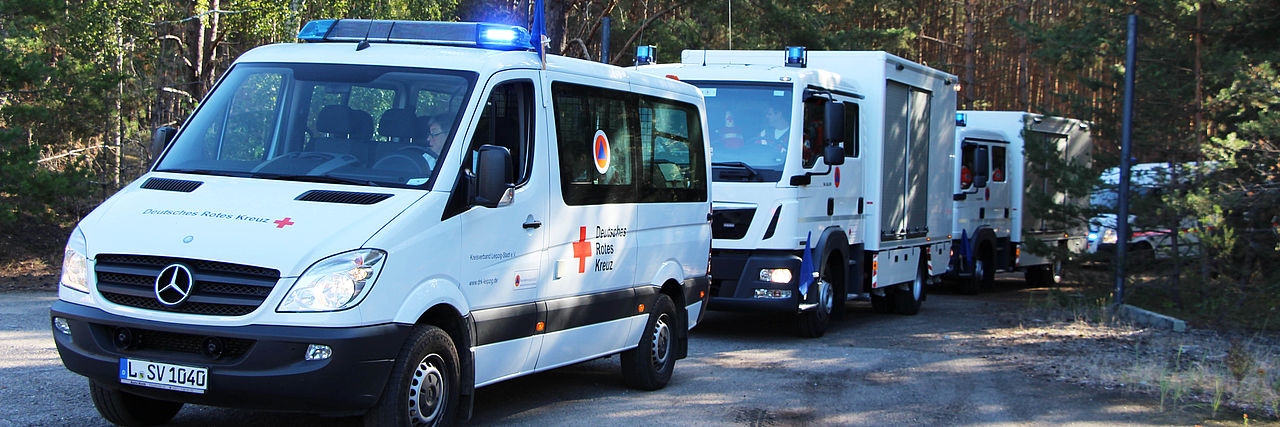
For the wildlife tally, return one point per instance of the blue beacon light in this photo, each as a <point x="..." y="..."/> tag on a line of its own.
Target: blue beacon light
<point x="797" y="56"/>
<point x="962" y="119"/>
<point x="316" y="30"/>
<point x="645" y="55"/>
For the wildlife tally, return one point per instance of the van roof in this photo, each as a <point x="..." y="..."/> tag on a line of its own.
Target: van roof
<point x="482" y="61"/>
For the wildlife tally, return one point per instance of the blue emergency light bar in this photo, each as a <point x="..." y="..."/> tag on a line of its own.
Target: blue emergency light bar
<point x="797" y="56"/>
<point x="962" y="120"/>
<point x="467" y="34"/>
<point x="645" y="55"/>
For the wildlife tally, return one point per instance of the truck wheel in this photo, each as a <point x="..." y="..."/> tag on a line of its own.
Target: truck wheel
<point x="907" y="300"/>
<point x="882" y="304"/>
<point x="423" y="388"/>
<point x="649" y="365"/>
<point x="122" y="408"/>
<point x="813" y="323"/>
<point x="973" y="284"/>
<point x="1045" y="275"/>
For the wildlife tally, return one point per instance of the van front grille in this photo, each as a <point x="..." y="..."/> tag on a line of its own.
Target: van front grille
<point x="220" y="289"/>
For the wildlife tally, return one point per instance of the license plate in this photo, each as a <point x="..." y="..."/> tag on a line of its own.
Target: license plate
<point x="164" y="375"/>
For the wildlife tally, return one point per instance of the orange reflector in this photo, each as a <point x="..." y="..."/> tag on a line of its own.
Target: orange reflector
<point x="642" y="308"/>
<point x="673" y="77"/>
<point x="928" y="239"/>
<point x="875" y="265"/>
<point x="541" y="326"/>
<point x="702" y="294"/>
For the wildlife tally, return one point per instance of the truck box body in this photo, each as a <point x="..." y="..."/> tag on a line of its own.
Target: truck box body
<point x="888" y="200"/>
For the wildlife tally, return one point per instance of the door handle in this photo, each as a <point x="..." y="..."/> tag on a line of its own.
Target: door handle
<point x="532" y="223"/>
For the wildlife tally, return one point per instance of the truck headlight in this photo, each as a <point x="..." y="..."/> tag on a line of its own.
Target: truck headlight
<point x="775" y="275"/>
<point x="75" y="266"/>
<point x="334" y="283"/>
<point x="1109" y="236"/>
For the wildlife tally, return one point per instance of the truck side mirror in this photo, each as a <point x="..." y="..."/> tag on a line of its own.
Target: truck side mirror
<point x="493" y="177"/>
<point x="983" y="160"/>
<point x="160" y="139"/>
<point x="833" y="120"/>
<point x="833" y="155"/>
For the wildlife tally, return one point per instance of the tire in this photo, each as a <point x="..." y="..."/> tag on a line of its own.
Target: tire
<point x="973" y="283"/>
<point x="126" y="409"/>
<point x="907" y="301"/>
<point x="882" y="304"/>
<point x="649" y="365"/>
<point x="813" y="323"/>
<point x="423" y="388"/>
<point x="1045" y="275"/>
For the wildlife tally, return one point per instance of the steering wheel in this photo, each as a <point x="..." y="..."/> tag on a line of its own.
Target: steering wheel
<point x="411" y="159"/>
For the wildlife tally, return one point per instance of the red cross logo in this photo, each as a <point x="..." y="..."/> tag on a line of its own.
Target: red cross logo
<point x="283" y="222"/>
<point x="582" y="249"/>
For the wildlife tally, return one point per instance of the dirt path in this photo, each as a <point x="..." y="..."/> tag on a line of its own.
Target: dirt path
<point x="929" y="369"/>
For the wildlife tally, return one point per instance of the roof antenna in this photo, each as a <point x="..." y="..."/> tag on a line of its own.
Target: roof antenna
<point x="364" y="44"/>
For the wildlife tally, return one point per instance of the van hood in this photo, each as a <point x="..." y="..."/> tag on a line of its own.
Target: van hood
<point x="239" y="220"/>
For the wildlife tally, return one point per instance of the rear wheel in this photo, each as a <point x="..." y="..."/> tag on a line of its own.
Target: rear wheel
<point x="649" y="365"/>
<point x="882" y="303"/>
<point x="908" y="296"/>
<point x="126" y="409"/>
<point x="423" y="389"/>
<point x="974" y="283"/>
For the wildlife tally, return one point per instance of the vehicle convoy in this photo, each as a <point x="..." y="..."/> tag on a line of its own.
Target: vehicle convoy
<point x="831" y="178"/>
<point x="993" y="221"/>
<point x="387" y="217"/>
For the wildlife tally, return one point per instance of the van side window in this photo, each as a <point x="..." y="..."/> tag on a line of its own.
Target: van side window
<point x="998" y="171"/>
<point x="507" y="121"/>
<point x="671" y="149"/>
<point x="851" y="144"/>
<point x="595" y="130"/>
<point x="814" y="123"/>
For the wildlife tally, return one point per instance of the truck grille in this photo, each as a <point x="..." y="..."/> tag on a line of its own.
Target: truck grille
<point x="220" y="289"/>
<point x="731" y="223"/>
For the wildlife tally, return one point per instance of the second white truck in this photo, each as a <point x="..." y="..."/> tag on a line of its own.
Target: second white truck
<point x="831" y="162"/>
<point x="993" y="221"/>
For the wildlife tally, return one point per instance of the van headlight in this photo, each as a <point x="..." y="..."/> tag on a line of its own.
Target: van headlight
<point x="75" y="266"/>
<point x="334" y="283"/>
<point x="1109" y="236"/>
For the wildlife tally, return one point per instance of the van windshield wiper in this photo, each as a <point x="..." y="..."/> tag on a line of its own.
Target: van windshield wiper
<point x="327" y="179"/>
<point x="751" y="172"/>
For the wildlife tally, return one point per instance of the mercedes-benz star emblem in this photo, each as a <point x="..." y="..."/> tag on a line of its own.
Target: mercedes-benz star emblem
<point x="174" y="285"/>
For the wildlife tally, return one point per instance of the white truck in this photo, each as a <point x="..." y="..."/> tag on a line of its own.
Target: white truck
<point x="386" y="218"/>
<point x="835" y="165"/>
<point x="992" y="220"/>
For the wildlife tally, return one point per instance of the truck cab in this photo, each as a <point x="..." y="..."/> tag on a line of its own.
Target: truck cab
<point x="825" y="178"/>
<point x="388" y="216"/>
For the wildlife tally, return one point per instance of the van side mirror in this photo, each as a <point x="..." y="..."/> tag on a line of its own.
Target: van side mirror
<point x="160" y="139"/>
<point x="494" y="173"/>
<point x="983" y="160"/>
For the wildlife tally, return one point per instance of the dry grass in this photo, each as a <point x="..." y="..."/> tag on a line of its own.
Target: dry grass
<point x="1069" y="337"/>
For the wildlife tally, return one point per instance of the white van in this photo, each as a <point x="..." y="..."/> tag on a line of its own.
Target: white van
<point x="387" y="218"/>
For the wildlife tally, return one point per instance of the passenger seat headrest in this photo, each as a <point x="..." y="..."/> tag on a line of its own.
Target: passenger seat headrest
<point x="361" y="125"/>
<point x="398" y="123"/>
<point x="334" y="120"/>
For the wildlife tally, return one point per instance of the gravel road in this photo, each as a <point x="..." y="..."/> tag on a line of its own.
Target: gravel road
<point x="742" y="370"/>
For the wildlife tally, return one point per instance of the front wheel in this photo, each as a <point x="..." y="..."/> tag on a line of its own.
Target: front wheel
<point x="126" y="409"/>
<point x="813" y="323"/>
<point x="423" y="389"/>
<point x="649" y="365"/>
<point x="908" y="296"/>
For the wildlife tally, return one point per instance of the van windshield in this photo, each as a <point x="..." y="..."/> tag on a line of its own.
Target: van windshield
<point x="750" y="128"/>
<point x="351" y="124"/>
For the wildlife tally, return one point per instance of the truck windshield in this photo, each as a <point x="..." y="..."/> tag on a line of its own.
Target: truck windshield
<point x="350" y="124"/>
<point x="750" y="129"/>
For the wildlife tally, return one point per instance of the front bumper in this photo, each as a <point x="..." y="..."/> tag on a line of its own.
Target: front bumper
<point x="735" y="275"/>
<point x="261" y="367"/>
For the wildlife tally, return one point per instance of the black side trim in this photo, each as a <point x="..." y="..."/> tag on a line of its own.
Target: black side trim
<point x="572" y="312"/>
<point x="505" y="323"/>
<point x="166" y="184"/>
<point x="773" y="223"/>
<point x="347" y="197"/>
